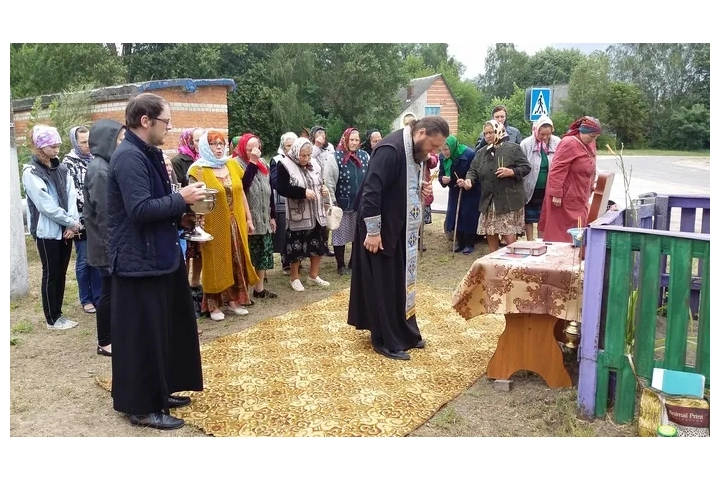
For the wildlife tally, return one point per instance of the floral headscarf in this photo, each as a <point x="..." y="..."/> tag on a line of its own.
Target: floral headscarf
<point x="45" y="136"/>
<point x="186" y="145"/>
<point x="207" y="158"/>
<point x="240" y="151"/>
<point x="343" y="147"/>
<point x="500" y="133"/>
<point x="294" y="152"/>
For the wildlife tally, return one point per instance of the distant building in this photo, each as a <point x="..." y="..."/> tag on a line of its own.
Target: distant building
<point x="428" y="96"/>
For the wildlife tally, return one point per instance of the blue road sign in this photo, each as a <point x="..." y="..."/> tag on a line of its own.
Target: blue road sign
<point x="540" y="102"/>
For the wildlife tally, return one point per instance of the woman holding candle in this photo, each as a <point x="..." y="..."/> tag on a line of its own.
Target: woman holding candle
<point x="499" y="167"/>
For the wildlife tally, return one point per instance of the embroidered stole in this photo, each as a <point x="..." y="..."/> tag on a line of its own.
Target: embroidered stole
<point x="412" y="228"/>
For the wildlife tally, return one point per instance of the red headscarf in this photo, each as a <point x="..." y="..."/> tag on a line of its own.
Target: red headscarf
<point x="584" y="125"/>
<point x="343" y="147"/>
<point x="241" y="152"/>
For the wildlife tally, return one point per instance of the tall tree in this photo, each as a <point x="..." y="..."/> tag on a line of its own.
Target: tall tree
<point x="505" y="67"/>
<point x="626" y="113"/>
<point x="588" y="88"/>
<point x="553" y="66"/>
<point x="360" y="82"/>
<point x="45" y="68"/>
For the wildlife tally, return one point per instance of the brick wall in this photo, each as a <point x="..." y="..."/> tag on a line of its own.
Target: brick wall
<point x="439" y="94"/>
<point x="193" y="103"/>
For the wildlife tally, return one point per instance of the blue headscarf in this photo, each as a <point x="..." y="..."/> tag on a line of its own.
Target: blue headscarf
<point x="207" y="157"/>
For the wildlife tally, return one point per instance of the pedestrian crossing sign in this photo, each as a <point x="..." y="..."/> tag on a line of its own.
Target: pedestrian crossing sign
<point x="540" y="102"/>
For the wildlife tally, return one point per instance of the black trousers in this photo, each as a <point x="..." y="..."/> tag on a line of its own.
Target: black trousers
<point x="55" y="257"/>
<point x="102" y="314"/>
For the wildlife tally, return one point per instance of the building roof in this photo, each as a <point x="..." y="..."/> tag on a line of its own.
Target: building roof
<point x="417" y="87"/>
<point x="124" y="92"/>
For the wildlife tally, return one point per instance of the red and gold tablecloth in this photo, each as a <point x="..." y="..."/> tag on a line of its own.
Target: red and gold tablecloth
<point x="501" y="283"/>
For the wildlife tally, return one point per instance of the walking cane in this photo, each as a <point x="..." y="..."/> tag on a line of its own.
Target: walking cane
<point x="457" y="215"/>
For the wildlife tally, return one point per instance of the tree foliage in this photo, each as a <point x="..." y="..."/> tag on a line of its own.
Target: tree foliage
<point x="638" y="91"/>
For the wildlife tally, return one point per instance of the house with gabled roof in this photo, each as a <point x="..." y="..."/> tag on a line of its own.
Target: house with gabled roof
<point x="428" y="96"/>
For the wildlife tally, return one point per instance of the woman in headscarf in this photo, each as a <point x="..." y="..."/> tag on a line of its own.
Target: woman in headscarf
<point x="300" y="181"/>
<point x="372" y="137"/>
<point x="87" y="277"/>
<point x="323" y="152"/>
<point x="227" y="270"/>
<point x="499" y="167"/>
<point x="454" y="165"/>
<point x="409" y="117"/>
<point x="286" y="141"/>
<point x="343" y="177"/>
<point x="259" y="194"/>
<point x="54" y="219"/>
<point x="570" y="181"/>
<point x="539" y="148"/>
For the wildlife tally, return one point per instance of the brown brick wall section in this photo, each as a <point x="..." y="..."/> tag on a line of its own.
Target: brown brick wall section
<point x="439" y="94"/>
<point x="181" y="118"/>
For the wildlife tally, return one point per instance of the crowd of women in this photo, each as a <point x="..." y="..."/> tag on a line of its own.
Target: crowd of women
<point x="498" y="190"/>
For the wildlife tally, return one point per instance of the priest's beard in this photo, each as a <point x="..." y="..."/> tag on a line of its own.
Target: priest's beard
<point x="418" y="154"/>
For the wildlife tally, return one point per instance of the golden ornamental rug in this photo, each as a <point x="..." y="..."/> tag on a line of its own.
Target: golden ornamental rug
<point x="308" y="373"/>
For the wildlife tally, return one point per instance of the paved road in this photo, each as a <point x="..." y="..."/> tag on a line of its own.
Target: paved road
<point x="662" y="175"/>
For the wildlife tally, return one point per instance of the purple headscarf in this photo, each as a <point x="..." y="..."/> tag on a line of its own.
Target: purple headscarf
<point x="45" y="136"/>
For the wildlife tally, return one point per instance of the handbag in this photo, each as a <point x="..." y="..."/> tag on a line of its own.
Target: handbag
<point x="334" y="216"/>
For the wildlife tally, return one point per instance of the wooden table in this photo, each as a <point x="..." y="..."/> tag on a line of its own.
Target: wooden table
<point x="537" y="295"/>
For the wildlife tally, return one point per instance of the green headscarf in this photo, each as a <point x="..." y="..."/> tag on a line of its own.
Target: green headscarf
<point x="456" y="149"/>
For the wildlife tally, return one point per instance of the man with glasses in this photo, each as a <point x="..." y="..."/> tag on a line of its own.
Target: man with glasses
<point x="156" y="350"/>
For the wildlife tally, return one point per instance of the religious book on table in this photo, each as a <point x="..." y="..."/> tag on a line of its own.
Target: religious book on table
<point x="527" y="248"/>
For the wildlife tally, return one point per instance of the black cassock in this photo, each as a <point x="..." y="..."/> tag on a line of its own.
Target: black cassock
<point x="377" y="284"/>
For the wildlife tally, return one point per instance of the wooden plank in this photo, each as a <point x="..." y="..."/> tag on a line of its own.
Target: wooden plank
<point x="702" y="360"/>
<point x="678" y="304"/>
<point x="618" y="292"/>
<point x="603" y="385"/>
<point x="616" y="318"/>
<point x="590" y="326"/>
<point x="687" y="219"/>
<point x="647" y="305"/>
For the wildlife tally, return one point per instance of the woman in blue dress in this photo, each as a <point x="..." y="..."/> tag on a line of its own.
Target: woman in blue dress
<point x="456" y="161"/>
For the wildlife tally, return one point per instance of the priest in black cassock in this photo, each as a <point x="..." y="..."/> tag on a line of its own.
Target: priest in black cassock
<point x="385" y="247"/>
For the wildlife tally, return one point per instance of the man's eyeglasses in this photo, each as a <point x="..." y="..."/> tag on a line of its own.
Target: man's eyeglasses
<point x="166" y="122"/>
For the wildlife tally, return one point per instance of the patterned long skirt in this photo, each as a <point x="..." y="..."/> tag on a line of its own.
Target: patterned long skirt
<point x="238" y="292"/>
<point x="345" y="233"/>
<point x="493" y="223"/>
<point x="304" y="244"/>
<point x="261" y="251"/>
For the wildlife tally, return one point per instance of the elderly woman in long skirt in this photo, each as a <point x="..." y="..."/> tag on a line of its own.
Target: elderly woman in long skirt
<point x="343" y="178"/>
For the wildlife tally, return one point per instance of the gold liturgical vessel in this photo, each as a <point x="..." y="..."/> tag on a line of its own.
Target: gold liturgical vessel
<point x="572" y="334"/>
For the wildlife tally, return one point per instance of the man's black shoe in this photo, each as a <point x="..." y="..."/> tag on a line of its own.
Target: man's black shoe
<point x="399" y="355"/>
<point x="176" y="401"/>
<point x="420" y="344"/>
<point x="157" y="420"/>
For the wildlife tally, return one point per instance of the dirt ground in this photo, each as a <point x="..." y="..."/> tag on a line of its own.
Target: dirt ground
<point x="52" y="373"/>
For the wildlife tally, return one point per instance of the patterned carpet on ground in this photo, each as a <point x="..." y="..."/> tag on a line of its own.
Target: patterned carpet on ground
<point x="308" y="373"/>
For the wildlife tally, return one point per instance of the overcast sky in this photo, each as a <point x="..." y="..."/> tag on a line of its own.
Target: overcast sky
<point x="472" y="55"/>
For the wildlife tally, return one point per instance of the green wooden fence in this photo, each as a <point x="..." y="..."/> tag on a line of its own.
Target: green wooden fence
<point x="687" y="252"/>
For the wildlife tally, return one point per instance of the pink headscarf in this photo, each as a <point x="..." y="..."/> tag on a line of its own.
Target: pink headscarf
<point x="186" y="145"/>
<point x="45" y="136"/>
